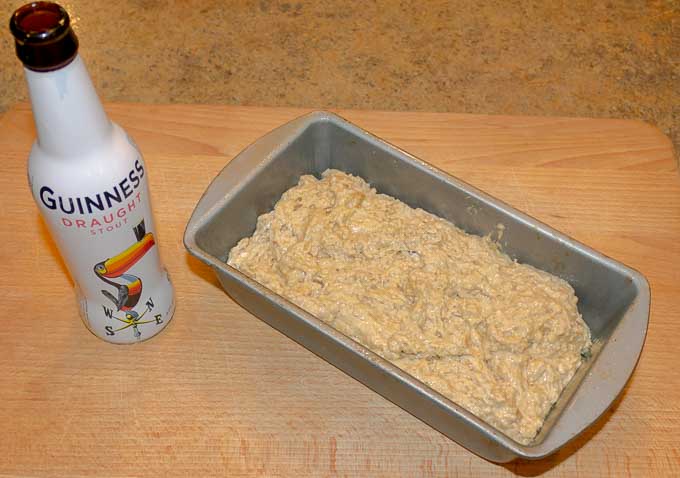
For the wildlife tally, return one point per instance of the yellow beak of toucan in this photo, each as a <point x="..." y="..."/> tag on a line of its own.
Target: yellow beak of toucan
<point x="119" y="264"/>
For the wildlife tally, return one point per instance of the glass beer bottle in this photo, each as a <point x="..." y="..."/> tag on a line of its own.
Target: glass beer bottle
<point x="90" y="184"/>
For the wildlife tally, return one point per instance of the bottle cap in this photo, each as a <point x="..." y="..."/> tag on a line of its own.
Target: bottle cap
<point x="43" y="35"/>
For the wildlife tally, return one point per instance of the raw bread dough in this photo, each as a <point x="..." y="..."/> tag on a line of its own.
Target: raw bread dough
<point x="499" y="338"/>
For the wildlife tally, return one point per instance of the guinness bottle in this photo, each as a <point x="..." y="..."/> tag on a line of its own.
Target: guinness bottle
<point x="90" y="183"/>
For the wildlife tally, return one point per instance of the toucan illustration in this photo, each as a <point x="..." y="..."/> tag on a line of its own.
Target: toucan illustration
<point x="130" y="290"/>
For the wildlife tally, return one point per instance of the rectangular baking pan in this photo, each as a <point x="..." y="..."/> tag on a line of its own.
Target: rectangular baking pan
<point x="613" y="298"/>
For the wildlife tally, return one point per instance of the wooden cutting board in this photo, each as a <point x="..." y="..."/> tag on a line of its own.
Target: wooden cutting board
<point x="220" y="393"/>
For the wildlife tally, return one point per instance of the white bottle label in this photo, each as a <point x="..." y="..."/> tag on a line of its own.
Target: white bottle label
<point x="109" y="243"/>
<point x="89" y="181"/>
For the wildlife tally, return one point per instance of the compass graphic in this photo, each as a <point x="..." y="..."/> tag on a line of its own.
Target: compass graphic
<point x="132" y="319"/>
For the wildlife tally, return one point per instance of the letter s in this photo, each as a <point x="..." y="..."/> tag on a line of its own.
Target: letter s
<point x="135" y="180"/>
<point x="139" y="168"/>
<point x="47" y="199"/>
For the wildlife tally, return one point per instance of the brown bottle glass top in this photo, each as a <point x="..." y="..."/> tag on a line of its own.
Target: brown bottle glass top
<point x="43" y="36"/>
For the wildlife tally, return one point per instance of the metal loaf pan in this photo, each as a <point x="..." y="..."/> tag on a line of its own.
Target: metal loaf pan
<point x="613" y="299"/>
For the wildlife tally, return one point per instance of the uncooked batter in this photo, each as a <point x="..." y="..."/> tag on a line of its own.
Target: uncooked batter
<point x="499" y="338"/>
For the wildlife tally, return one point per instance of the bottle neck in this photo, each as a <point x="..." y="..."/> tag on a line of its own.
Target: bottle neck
<point x="69" y="118"/>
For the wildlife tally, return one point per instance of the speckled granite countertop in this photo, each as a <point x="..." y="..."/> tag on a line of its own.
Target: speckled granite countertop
<point x="566" y="58"/>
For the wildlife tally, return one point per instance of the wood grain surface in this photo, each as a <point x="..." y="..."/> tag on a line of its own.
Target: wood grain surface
<point x="219" y="393"/>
